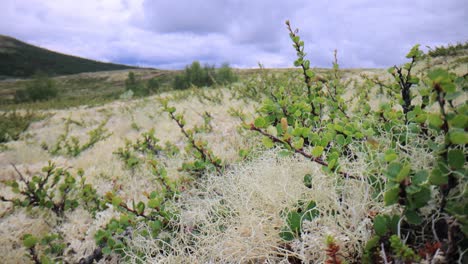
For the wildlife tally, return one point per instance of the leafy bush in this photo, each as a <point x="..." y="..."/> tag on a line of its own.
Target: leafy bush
<point x="225" y="75"/>
<point x="39" y="89"/>
<point x="317" y="123"/>
<point x="71" y="146"/>
<point x="12" y="124"/>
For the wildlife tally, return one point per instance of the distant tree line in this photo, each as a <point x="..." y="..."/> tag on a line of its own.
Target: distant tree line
<point x="208" y="75"/>
<point x="449" y="50"/>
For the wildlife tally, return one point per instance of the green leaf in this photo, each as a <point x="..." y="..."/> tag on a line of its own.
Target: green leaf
<point x="391" y="196"/>
<point x="298" y="143"/>
<point x="171" y="109"/>
<point x="435" y="121"/>
<point x="380" y="225"/>
<point x="414" y="52"/>
<point x="458" y="136"/>
<point x="420" y="198"/>
<point x="311" y="211"/>
<point x="372" y="243"/>
<point x="414" y="80"/>
<point x="390" y="155"/>
<point x="438" y="177"/>
<point x="267" y="142"/>
<point x="317" y="151"/>
<point x="310" y="73"/>
<point x="459" y="121"/>
<point x="308" y="180"/>
<point x="413" y="217"/>
<point x="153" y="203"/>
<point x="456" y="159"/>
<point x="340" y="139"/>
<point x="116" y="201"/>
<point x="438" y="74"/>
<point x="29" y="241"/>
<point x="287" y="235"/>
<point x="260" y="122"/>
<point x="393" y="170"/>
<point x="404" y="172"/>
<point x="106" y="251"/>
<point x="294" y="222"/>
<point x="420" y="177"/>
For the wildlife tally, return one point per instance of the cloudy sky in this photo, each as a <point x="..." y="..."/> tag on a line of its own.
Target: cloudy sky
<point x="171" y="34"/>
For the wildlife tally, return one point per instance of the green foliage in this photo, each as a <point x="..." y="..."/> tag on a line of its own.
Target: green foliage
<point x="138" y="87"/>
<point x="144" y="150"/>
<point x="156" y="214"/>
<point x="71" y="146"/>
<point x="225" y="75"/>
<point x="47" y="249"/>
<point x="40" y="88"/>
<point x="203" y="158"/>
<point x="57" y="189"/>
<point x="12" y="124"/>
<point x="449" y="50"/>
<point x="295" y="218"/>
<point x="402" y="251"/>
<point x="315" y="121"/>
<point x="198" y="76"/>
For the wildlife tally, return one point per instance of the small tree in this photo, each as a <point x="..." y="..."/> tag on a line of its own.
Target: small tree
<point x="134" y="84"/>
<point x="225" y="74"/>
<point x="131" y="82"/>
<point x="153" y="84"/>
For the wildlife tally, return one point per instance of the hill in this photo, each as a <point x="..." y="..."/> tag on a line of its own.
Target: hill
<point x="20" y="59"/>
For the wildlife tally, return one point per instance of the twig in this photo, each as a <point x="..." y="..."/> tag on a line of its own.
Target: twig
<point x="300" y="151"/>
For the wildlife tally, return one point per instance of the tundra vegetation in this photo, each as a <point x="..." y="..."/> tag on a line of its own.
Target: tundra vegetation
<point x="292" y="166"/>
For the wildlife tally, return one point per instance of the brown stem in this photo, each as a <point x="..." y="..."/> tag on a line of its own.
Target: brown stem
<point x="300" y="151"/>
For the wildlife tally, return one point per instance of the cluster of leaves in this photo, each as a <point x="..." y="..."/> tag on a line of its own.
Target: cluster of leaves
<point x="147" y="148"/>
<point x="196" y="75"/>
<point x="203" y="158"/>
<point x="315" y="121"/>
<point x="156" y="214"/>
<point x="59" y="191"/>
<point x="12" y="124"/>
<point x="71" y="145"/>
<point x="45" y="250"/>
<point x="449" y="50"/>
<point x="295" y="219"/>
<point x="40" y="88"/>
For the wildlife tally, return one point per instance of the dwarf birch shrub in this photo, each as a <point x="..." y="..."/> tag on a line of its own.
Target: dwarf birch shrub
<point x="315" y="121"/>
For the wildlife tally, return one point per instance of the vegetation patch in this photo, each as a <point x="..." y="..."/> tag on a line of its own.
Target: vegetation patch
<point x="12" y="124"/>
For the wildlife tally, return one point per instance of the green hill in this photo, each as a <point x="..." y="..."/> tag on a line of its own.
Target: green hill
<point x="19" y="59"/>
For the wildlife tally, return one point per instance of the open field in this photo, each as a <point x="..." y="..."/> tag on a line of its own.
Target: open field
<point x="253" y="206"/>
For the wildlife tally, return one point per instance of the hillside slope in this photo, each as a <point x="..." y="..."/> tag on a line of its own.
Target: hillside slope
<point x="20" y="59"/>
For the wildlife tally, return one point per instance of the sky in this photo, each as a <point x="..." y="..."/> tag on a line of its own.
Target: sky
<point x="171" y="34"/>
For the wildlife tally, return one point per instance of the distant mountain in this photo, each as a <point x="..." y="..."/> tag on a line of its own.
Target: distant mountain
<point x="20" y="59"/>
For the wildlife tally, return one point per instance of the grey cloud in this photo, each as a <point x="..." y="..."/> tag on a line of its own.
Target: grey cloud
<point x="367" y="33"/>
